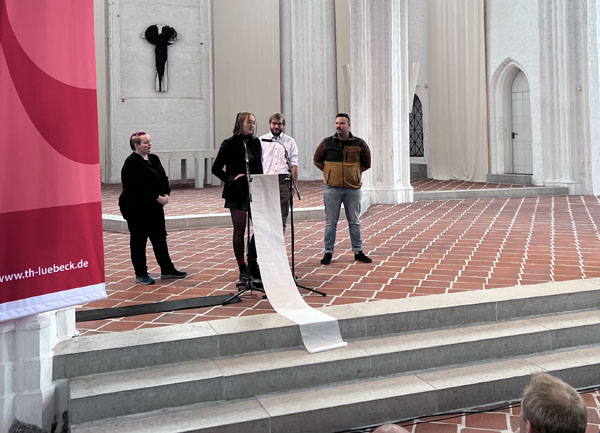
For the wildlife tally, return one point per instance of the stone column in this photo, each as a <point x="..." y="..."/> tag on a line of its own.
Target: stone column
<point x="308" y="76"/>
<point x="593" y="92"/>
<point x="380" y="101"/>
<point x="7" y="357"/>
<point x="27" y="391"/>
<point x="34" y="399"/>
<point x="557" y="93"/>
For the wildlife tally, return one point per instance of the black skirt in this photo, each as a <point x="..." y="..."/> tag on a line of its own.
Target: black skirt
<point x="234" y="204"/>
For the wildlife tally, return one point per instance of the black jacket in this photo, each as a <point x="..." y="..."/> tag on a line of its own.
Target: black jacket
<point x="143" y="181"/>
<point x="232" y="156"/>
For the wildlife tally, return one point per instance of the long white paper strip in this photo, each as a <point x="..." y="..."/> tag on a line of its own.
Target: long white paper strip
<point x="319" y="331"/>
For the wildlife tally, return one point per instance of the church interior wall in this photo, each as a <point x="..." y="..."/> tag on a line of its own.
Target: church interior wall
<point x="101" y="77"/>
<point x="179" y="119"/>
<point x="584" y="103"/>
<point x="246" y="63"/>
<point x="512" y="41"/>
<point x="417" y="53"/>
<point x="300" y="76"/>
<point x="594" y="93"/>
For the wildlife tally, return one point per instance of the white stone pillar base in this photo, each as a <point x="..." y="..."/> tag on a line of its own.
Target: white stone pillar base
<point x="27" y="392"/>
<point x="390" y="195"/>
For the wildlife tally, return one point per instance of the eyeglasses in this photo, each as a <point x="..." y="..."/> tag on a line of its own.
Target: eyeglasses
<point x="277" y="123"/>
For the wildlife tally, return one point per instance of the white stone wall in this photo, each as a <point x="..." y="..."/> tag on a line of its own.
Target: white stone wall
<point x="182" y="117"/>
<point x="100" y="34"/>
<point x="593" y="87"/>
<point x="26" y="388"/>
<point x="556" y="46"/>
<point x="512" y="40"/>
<point x="417" y="53"/>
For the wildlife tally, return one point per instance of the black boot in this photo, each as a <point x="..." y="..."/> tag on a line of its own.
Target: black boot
<point x="243" y="272"/>
<point x="254" y="269"/>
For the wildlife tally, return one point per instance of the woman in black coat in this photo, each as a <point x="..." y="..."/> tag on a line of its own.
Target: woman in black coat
<point x="146" y="191"/>
<point x="230" y="167"/>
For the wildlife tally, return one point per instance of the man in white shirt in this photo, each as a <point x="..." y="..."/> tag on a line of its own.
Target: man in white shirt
<point x="280" y="156"/>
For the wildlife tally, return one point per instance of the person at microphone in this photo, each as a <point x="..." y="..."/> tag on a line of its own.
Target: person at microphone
<point x="280" y="156"/>
<point x="238" y="154"/>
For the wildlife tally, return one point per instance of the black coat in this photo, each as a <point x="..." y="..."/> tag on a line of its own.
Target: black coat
<point x="232" y="157"/>
<point x="143" y="181"/>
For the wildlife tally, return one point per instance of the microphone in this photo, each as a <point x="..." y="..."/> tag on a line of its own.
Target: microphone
<point x="268" y="140"/>
<point x="246" y="151"/>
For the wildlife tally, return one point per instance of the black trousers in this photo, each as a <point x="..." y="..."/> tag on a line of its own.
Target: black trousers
<point x="284" y="197"/>
<point x="151" y="226"/>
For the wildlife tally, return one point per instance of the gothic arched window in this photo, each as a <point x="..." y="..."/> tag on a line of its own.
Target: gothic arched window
<point x="416" y="128"/>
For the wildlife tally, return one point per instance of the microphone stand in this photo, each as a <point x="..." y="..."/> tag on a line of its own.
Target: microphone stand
<point x="249" y="284"/>
<point x="292" y="185"/>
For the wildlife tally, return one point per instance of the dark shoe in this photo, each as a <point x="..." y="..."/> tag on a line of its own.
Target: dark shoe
<point x="243" y="272"/>
<point x="326" y="258"/>
<point x="174" y="274"/>
<point x="146" y="280"/>
<point x="254" y="270"/>
<point x="360" y="256"/>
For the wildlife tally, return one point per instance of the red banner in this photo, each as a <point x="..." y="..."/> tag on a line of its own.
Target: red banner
<point x="51" y="253"/>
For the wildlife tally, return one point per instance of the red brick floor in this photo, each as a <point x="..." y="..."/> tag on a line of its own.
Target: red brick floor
<point x="417" y="248"/>
<point x="187" y="200"/>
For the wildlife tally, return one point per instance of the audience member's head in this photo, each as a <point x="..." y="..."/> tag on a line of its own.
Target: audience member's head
<point x="390" y="428"/>
<point x="552" y="406"/>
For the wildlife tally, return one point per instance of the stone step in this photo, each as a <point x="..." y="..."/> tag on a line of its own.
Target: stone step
<point x="127" y="392"/>
<point x="467" y="194"/>
<point x="363" y="402"/>
<point x="510" y="179"/>
<point x="116" y="223"/>
<point x="100" y="353"/>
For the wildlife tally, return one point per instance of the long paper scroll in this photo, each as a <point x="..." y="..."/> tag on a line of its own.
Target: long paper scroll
<point x="319" y="331"/>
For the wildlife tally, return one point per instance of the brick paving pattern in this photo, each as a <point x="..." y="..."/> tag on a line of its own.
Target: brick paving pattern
<point x="418" y="249"/>
<point x="186" y="200"/>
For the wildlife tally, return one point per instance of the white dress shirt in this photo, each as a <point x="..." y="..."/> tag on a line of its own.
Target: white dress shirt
<point x="273" y="153"/>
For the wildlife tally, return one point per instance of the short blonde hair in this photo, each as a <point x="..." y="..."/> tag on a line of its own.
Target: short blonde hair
<point x="553" y="406"/>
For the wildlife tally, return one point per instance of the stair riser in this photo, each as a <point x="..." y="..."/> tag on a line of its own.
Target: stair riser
<point x="490" y="193"/>
<point x="144" y="400"/>
<point x="237" y="343"/>
<point x="366" y="413"/>
<point x="231" y="387"/>
<point x="376" y="411"/>
<point x="139" y="356"/>
<point x="421" y="404"/>
<point x="172" y="352"/>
